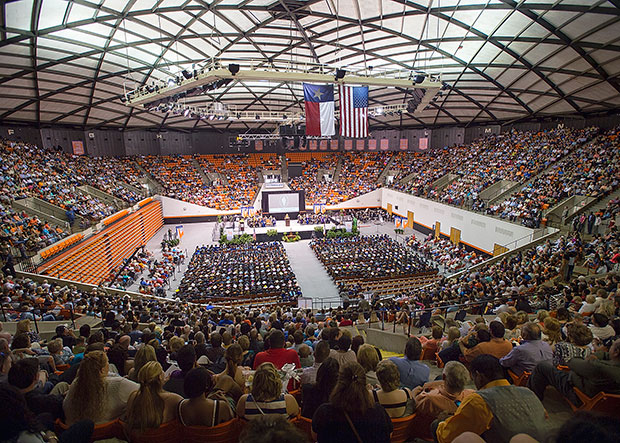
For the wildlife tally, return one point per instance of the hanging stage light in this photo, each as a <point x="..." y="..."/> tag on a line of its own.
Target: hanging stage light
<point x="233" y="68"/>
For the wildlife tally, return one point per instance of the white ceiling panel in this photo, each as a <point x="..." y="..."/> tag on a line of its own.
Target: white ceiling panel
<point x="74" y="38"/>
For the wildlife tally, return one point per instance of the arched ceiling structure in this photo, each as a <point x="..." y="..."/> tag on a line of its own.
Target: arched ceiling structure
<point x="67" y="62"/>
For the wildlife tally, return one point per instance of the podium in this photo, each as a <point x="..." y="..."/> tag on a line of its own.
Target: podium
<point x="287" y="221"/>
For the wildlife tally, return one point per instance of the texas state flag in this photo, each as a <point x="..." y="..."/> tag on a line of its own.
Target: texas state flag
<point x="319" y="101"/>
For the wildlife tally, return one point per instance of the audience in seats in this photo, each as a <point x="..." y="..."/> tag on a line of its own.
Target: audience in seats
<point x="266" y="397"/>
<point x="445" y="395"/>
<point x="398" y="402"/>
<point x="413" y="372"/>
<point x="367" y="257"/>
<point x="351" y="412"/>
<point x="453" y="257"/>
<point x="497" y="410"/>
<point x="206" y="404"/>
<point x="315" y="394"/>
<point x="150" y="406"/>
<point x="529" y="353"/>
<point x="590" y="376"/>
<point x="497" y="346"/>
<point x="239" y="272"/>
<point x="94" y="394"/>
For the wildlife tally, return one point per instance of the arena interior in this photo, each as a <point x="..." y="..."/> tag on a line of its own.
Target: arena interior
<point x="310" y="221"/>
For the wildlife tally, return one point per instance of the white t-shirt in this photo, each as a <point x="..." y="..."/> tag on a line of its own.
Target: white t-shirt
<point x="115" y="402"/>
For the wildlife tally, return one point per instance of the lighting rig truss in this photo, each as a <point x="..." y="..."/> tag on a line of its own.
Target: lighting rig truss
<point x="220" y="112"/>
<point x="217" y="70"/>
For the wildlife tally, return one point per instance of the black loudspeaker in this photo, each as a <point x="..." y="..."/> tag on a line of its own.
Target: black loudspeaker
<point x="287" y="130"/>
<point x="296" y="143"/>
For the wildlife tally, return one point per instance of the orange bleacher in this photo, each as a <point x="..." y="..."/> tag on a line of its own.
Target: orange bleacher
<point x="94" y="259"/>
<point x="64" y="244"/>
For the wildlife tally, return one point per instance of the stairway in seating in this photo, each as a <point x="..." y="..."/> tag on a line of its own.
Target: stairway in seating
<point x="201" y="172"/>
<point x="597" y="205"/>
<point x="284" y="169"/>
<point x="154" y="185"/>
<point x="338" y="169"/>
<point x="381" y="178"/>
<point x="506" y="195"/>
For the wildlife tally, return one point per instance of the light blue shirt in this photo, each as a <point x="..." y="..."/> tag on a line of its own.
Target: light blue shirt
<point x="413" y="373"/>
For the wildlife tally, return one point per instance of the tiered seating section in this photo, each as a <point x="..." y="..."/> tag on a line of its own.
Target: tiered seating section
<point x="591" y="169"/>
<point x="25" y="233"/>
<point x="178" y="177"/>
<point x="29" y="171"/>
<point x="64" y="244"/>
<point x="358" y="175"/>
<point x="242" y="181"/>
<point x="97" y="256"/>
<point x="316" y="190"/>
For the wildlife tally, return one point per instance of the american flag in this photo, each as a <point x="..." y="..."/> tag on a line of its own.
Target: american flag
<point x="353" y="111"/>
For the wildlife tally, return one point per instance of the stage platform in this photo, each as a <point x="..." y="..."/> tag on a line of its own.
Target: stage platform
<point x="304" y="231"/>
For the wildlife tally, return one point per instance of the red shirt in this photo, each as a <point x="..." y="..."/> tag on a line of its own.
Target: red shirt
<point x="279" y="357"/>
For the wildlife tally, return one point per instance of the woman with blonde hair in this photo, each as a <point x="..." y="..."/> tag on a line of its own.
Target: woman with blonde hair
<point x="151" y="406"/>
<point x="95" y="396"/>
<point x="267" y="397"/>
<point x="552" y="331"/>
<point x="144" y="355"/>
<point x="453" y="336"/>
<point x="23" y="327"/>
<point x="368" y="358"/>
<point x="397" y="402"/>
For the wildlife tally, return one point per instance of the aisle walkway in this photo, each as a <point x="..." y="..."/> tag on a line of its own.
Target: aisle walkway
<point x="194" y="234"/>
<point x="311" y="275"/>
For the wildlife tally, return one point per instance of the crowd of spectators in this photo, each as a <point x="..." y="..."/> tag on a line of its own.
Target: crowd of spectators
<point x="560" y="323"/>
<point x="514" y="156"/>
<point x="236" y="272"/>
<point x="27" y="234"/>
<point x="367" y="257"/>
<point x="590" y="169"/>
<point x="452" y="257"/>
<point x="53" y="176"/>
<point x="203" y="368"/>
<point x="241" y="177"/>
<point x="309" y="181"/>
<point x="130" y="270"/>
<point x="161" y="271"/>
<point x="358" y="175"/>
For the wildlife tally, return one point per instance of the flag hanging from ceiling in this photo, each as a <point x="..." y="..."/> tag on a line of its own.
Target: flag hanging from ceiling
<point x="353" y="111"/>
<point x="319" y="100"/>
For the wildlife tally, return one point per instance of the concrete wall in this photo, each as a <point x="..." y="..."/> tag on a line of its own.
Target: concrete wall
<point x="478" y="230"/>
<point x="387" y="340"/>
<point x="105" y="143"/>
<point x="177" y="208"/>
<point x="370" y="199"/>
